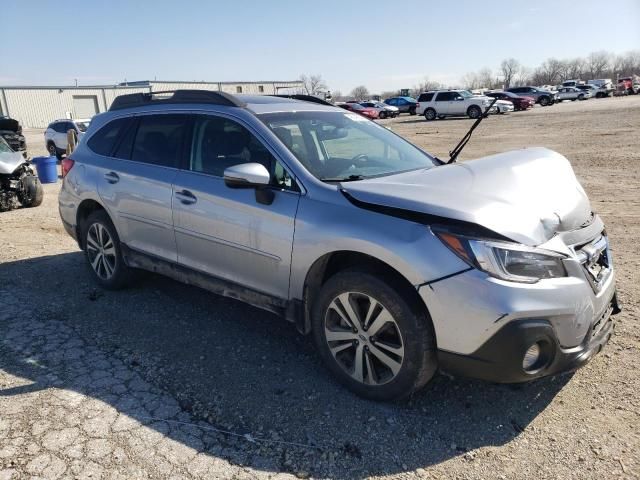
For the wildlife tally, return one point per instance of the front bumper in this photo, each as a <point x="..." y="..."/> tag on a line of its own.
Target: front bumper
<point x="499" y="359"/>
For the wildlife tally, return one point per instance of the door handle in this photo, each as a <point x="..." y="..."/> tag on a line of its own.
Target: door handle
<point x="112" y="177"/>
<point x="186" y="197"/>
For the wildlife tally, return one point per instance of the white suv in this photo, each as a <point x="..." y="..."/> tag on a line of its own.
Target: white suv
<point x="443" y="103"/>
<point x="55" y="136"/>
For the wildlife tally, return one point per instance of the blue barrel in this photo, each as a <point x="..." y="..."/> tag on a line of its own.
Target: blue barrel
<point x="46" y="168"/>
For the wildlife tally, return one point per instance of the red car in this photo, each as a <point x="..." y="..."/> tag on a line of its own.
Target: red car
<point x="370" y="113"/>
<point x="519" y="103"/>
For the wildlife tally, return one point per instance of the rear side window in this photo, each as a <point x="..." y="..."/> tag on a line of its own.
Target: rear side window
<point x="103" y="141"/>
<point x="159" y="140"/>
<point x="425" y="97"/>
<point x="444" y="97"/>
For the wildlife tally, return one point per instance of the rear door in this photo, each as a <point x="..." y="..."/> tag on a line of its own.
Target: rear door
<point x="226" y="232"/>
<point x="442" y="103"/>
<point x="136" y="179"/>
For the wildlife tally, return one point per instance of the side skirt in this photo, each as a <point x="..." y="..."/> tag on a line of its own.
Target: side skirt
<point x="291" y="310"/>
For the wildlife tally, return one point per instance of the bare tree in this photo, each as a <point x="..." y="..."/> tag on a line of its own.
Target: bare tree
<point x="425" y="86"/>
<point x="313" y="84"/>
<point x="336" y="96"/>
<point x="509" y="68"/>
<point x="597" y="63"/>
<point x="360" y="93"/>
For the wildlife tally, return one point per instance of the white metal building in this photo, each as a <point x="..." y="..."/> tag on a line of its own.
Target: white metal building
<point x="36" y="107"/>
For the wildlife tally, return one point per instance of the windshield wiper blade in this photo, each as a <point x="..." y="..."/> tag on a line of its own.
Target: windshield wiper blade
<point x="453" y="154"/>
<point x="350" y="178"/>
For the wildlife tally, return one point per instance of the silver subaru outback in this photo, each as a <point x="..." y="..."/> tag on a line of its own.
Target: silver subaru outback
<point x="396" y="262"/>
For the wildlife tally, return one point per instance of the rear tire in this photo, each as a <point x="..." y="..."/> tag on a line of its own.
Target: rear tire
<point x="412" y="111"/>
<point x="379" y="359"/>
<point x="103" y="252"/>
<point x="429" y="114"/>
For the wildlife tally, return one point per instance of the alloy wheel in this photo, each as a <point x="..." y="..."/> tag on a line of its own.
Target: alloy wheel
<point x="364" y="338"/>
<point x="101" y="251"/>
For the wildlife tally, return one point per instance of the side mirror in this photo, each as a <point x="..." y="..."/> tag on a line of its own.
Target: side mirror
<point x="247" y="175"/>
<point x="251" y="175"/>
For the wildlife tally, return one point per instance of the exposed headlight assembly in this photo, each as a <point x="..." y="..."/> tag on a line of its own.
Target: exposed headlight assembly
<point x="507" y="261"/>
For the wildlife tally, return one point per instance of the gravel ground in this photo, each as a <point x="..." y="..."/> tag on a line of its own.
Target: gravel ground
<point x="164" y="380"/>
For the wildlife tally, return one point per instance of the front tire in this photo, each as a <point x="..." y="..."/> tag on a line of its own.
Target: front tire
<point x="377" y="341"/>
<point x="103" y="251"/>
<point x="33" y="193"/>
<point x="382" y="115"/>
<point x="474" y="112"/>
<point x="544" y="101"/>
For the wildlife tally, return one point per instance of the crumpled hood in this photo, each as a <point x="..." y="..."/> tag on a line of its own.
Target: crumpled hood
<point x="526" y="195"/>
<point x="9" y="161"/>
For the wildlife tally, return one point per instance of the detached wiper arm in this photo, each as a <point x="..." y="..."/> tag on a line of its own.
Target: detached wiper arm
<point x="453" y="154"/>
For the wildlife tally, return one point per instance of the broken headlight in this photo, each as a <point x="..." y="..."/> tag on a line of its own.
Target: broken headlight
<point x="508" y="261"/>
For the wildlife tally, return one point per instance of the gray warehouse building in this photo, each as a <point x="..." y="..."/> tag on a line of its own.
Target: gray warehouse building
<point x="36" y="107"/>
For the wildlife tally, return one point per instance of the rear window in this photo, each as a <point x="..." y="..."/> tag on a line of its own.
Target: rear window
<point x="159" y="139"/>
<point x="425" y="97"/>
<point x="103" y="141"/>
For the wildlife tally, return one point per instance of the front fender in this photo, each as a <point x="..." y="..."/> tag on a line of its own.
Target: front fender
<point x="325" y="227"/>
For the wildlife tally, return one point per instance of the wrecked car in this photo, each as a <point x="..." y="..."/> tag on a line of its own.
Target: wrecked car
<point x="397" y="262"/>
<point x="11" y="131"/>
<point x="18" y="183"/>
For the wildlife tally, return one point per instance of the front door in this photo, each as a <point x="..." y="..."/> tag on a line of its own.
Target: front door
<point x="225" y="231"/>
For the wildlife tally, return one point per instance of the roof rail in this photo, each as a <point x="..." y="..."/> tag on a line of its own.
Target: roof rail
<point x="179" y="96"/>
<point x="305" y="98"/>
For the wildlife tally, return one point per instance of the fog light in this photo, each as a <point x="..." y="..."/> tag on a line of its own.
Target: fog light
<point x="531" y="357"/>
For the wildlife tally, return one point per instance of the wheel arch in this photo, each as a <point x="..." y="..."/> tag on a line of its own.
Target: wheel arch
<point x="337" y="261"/>
<point x="86" y="208"/>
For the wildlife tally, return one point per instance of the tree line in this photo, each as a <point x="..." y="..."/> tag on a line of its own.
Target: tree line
<point x="510" y="73"/>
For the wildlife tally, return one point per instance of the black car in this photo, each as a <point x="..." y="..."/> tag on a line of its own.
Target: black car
<point x="11" y="131"/>
<point x="404" y="104"/>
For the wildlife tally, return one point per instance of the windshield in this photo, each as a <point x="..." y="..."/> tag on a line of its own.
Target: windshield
<point x="343" y="146"/>
<point x="465" y="93"/>
<point x="4" y="147"/>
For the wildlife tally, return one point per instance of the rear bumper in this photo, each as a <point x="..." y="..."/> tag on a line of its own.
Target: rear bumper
<point x="499" y="359"/>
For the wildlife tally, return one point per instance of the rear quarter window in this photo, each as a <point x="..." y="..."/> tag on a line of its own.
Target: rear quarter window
<point x="103" y="141"/>
<point x="425" y="97"/>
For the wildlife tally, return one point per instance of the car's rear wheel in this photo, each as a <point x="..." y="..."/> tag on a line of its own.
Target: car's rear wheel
<point x="544" y="101"/>
<point x="374" y="339"/>
<point x="104" y="252"/>
<point x="429" y="114"/>
<point x="53" y="150"/>
<point x="412" y="111"/>
<point x="474" y="111"/>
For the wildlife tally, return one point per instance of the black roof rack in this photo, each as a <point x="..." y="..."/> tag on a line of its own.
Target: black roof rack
<point x="179" y="96"/>
<point x="305" y="98"/>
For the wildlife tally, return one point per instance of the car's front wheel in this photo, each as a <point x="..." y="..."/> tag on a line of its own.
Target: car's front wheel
<point x="104" y="252"/>
<point x="373" y="337"/>
<point x="382" y="115"/>
<point x="474" y="111"/>
<point x="544" y="101"/>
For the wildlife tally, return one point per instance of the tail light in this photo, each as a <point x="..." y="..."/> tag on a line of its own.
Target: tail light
<point x="67" y="165"/>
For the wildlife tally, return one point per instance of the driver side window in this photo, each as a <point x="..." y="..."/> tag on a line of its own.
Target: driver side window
<point x="219" y="143"/>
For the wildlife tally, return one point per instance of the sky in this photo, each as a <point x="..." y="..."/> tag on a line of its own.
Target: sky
<point x="384" y="45"/>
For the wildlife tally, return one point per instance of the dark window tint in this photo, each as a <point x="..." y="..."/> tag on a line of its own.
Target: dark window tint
<point x="124" y="145"/>
<point x="103" y="141"/>
<point x="59" y="127"/>
<point x="444" y="96"/>
<point x="425" y="97"/>
<point x="219" y="143"/>
<point x="392" y="101"/>
<point x="159" y="139"/>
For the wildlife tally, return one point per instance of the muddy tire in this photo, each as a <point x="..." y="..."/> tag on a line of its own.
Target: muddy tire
<point x="373" y="337"/>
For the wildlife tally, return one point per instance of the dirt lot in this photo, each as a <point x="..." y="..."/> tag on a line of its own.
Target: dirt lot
<point x="166" y="380"/>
